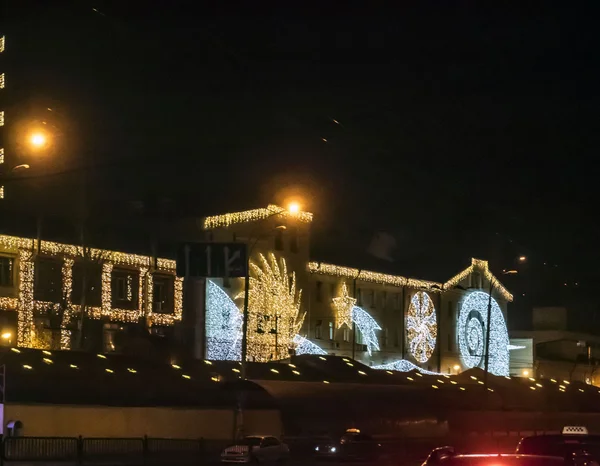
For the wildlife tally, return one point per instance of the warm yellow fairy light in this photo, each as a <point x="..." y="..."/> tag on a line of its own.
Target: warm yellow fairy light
<point x="482" y="265"/>
<point x="321" y="268"/>
<point x="274" y="316"/>
<point x="185" y="376"/>
<point x="73" y="366"/>
<point x="225" y="220"/>
<point x="2" y="80"/>
<point x="67" y="285"/>
<point x="48" y="361"/>
<point x="27" y="366"/>
<point x="25" y="327"/>
<point x="110" y="371"/>
<point x="342" y="306"/>
<point x="133" y="371"/>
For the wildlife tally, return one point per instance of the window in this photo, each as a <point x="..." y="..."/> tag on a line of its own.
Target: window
<point x="318" y="329"/>
<point x="371" y="302"/>
<point x="162" y="294"/>
<point x="346" y="333"/>
<point x="397" y="302"/>
<point x="125" y="286"/>
<point x="359" y="337"/>
<point x="450" y="310"/>
<point x="319" y="291"/>
<point x="93" y="280"/>
<point x="358" y="296"/>
<point x="293" y="239"/>
<point x="396" y="338"/>
<point x="48" y="280"/>
<point x="110" y="337"/>
<point x="383" y="300"/>
<point x="279" y="240"/>
<point x="331" y="330"/>
<point x="6" y="271"/>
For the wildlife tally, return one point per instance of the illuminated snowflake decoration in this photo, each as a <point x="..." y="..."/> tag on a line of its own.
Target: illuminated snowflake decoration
<point x="421" y="326"/>
<point x="274" y="317"/>
<point x="223" y="325"/>
<point x="402" y="365"/>
<point x="367" y="327"/>
<point x="472" y="328"/>
<point x="304" y="346"/>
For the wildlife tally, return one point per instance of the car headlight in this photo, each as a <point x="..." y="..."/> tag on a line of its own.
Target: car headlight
<point x="333" y="449"/>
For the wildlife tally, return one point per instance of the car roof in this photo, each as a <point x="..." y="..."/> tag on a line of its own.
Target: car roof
<point x="564" y="436"/>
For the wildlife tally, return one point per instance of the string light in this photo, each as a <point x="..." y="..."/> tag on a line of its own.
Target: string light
<point x="274" y="316"/>
<point x="421" y="326"/>
<point x="67" y="286"/>
<point x="305" y="346"/>
<point x="367" y="327"/>
<point x="223" y="325"/>
<point x="374" y="277"/>
<point x="225" y="220"/>
<point x="478" y="264"/>
<point x="25" y="326"/>
<point x="402" y="365"/>
<point x="471" y="327"/>
<point x="342" y="306"/>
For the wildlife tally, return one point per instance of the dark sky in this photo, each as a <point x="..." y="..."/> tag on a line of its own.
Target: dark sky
<point x="463" y="131"/>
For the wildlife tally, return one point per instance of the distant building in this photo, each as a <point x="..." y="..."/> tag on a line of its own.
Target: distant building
<point x="382" y="320"/>
<point x="559" y="352"/>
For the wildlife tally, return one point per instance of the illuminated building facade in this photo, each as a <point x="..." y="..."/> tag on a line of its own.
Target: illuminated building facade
<point x="42" y="288"/>
<point x="400" y="322"/>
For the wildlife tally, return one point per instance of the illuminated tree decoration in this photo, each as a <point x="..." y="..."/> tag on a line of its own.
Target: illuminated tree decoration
<point x="342" y="306"/>
<point x="421" y="326"/>
<point x="367" y="327"/>
<point x="273" y="310"/>
<point x="402" y="365"/>
<point x="305" y="346"/>
<point x="472" y="328"/>
<point x="223" y="325"/>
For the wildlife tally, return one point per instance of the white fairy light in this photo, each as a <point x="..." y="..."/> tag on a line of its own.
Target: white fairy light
<point x="421" y="326"/>
<point x="402" y="365"/>
<point x="305" y="346"/>
<point x="367" y="327"/>
<point x="223" y="325"/>
<point x="472" y="328"/>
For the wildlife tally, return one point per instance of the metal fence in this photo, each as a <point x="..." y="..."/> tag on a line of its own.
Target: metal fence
<point x="95" y="451"/>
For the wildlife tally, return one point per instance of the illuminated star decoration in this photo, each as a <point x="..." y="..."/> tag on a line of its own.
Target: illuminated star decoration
<point x="367" y="327"/>
<point x="223" y="325"/>
<point x="471" y="329"/>
<point x="274" y="316"/>
<point x="343" y="306"/>
<point x="421" y="326"/>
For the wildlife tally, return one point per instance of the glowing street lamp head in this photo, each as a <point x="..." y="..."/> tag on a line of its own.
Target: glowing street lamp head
<point x="293" y="207"/>
<point x="525" y="373"/>
<point x="6" y="335"/>
<point x="38" y="139"/>
<point x="522" y="258"/>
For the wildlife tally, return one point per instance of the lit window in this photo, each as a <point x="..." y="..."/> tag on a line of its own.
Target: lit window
<point x="331" y="330"/>
<point x="318" y="329"/>
<point x="319" y="291"/>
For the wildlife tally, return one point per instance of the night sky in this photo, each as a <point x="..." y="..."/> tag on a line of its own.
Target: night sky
<point x="458" y="131"/>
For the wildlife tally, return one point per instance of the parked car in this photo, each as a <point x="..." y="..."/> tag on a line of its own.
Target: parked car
<point x="352" y="445"/>
<point x="256" y="449"/>
<point x="574" y="440"/>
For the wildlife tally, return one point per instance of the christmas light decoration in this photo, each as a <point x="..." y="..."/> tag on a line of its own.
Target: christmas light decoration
<point x="2" y="80"/>
<point x="1" y="155"/>
<point x="421" y="326"/>
<point x="342" y="306"/>
<point x="472" y="328"/>
<point x="223" y="325"/>
<point x="402" y="365"/>
<point x="2" y="43"/>
<point x="373" y="277"/>
<point x="305" y="346"/>
<point x="225" y="220"/>
<point x="367" y="327"/>
<point x="274" y="316"/>
<point x="25" y="326"/>
<point x="481" y="265"/>
<point x="67" y="283"/>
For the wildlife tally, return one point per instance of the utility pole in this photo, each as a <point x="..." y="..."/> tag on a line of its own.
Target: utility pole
<point x="354" y="323"/>
<point x="488" y="332"/>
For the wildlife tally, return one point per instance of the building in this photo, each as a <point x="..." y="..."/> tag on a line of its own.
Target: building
<point x="42" y="287"/>
<point x="558" y="351"/>
<point x="383" y="320"/>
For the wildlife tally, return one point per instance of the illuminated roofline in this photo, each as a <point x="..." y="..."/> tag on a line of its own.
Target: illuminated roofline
<point x="374" y="277"/>
<point x="225" y="220"/>
<point x="484" y="267"/>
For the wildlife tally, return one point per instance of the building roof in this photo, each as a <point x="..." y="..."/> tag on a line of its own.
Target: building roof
<point x="225" y="220"/>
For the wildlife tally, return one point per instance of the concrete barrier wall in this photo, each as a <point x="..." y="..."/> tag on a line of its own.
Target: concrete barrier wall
<point x="102" y="421"/>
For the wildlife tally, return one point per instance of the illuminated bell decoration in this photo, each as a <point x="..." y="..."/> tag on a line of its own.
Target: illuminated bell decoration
<point x="421" y="327"/>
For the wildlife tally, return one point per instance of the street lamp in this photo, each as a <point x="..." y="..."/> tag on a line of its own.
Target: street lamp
<point x="38" y="140"/>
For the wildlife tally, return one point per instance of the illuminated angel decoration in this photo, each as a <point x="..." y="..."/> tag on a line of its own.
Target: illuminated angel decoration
<point x="421" y="326"/>
<point x="274" y="316"/>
